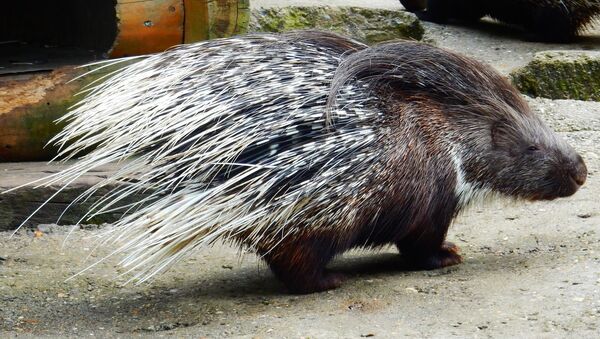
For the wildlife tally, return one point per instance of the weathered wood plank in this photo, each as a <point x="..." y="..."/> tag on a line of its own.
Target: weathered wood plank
<point x="17" y="205"/>
<point x="228" y="17"/>
<point x="196" y="21"/>
<point x="210" y="19"/>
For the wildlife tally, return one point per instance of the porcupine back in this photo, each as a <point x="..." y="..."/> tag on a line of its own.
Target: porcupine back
<point x="229" y="136"/>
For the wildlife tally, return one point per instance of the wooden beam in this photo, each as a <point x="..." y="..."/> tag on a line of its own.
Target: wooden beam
<point x="147" y="26"/>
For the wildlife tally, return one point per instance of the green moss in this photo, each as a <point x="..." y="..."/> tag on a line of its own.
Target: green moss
<point x="366" y="25"/>
<point x="561" y="75"/>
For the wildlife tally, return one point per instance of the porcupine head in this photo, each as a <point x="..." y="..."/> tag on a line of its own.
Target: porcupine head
<point x="529" y="161"/>
<point x="497" y="144"/>
<point x="519" y="156"/>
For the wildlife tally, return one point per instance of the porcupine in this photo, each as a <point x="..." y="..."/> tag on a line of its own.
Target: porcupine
<point x="303" y="145"/>
<point x="544" y="20"/>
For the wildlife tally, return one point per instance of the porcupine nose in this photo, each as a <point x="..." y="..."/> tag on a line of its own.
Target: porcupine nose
<point x="579" y="173"/>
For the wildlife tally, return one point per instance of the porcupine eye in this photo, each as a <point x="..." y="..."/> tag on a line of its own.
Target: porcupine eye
<point x="533" y="148"/>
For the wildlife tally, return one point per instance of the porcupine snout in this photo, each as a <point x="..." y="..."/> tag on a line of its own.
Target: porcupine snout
<point x="576" y="174"/>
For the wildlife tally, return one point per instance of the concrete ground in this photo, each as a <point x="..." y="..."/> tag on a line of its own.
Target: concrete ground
<point x="530" y="270"/>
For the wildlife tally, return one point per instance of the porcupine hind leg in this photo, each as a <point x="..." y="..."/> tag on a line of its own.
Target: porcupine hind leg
<point x="426" y="248"/>
<point x="300" y="263"/>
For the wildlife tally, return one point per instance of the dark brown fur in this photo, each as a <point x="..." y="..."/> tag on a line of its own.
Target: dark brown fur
<point x="432" y="99"/>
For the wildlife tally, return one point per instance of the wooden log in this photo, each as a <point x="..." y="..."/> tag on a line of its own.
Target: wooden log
<point x="206" y="19"/>
<point x="149" y="26"/>
<point x="227" y="17"/>
<point x="122" y="27"/>
<point x="29" y="107"/>
<point x="29" y="104"/>
<point x="196" y="21"/>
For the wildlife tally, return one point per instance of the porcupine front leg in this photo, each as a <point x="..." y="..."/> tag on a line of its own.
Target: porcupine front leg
<point x="427" y="249"/>
<point x="300" y="264"/>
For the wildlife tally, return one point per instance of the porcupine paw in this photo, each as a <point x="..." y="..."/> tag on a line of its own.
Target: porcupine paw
<point x="447" y="255"/>
<point x="326" y="281"/>
<point x="331" y="280"/>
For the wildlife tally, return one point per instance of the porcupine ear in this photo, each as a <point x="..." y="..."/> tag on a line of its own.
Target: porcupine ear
<point x="501" y="134"/>
<point x="373" y="66"/>
<point x="398" y="66"/>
